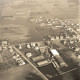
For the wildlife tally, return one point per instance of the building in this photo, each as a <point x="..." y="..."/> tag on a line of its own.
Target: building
<point x="77" y="49"/>
<point x="42" y="49"/>
<point x="28" y="46"/>
<point x="71" y="41"/>
<point x="38" y="58"/>
<point x="33" y="44"/>
<point x="42" y="24"/>
<point x="43" y="63"/>
<point x="4" y="44"/>
<point x="58" y="26"/>
<point x="58" y="58"/>
<point x="67" y="37"/>
<point x="20" y="47"/>
<point x="57" y="37"/>
<point x="52" y="38"/>
<point x="29" y="55"/>
<point x="61" y="37"/>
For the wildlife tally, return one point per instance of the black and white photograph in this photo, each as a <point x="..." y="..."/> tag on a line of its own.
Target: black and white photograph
<point x="39" y="39"/>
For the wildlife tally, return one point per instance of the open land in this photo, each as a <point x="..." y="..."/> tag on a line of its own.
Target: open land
<point x="15" y="26"/>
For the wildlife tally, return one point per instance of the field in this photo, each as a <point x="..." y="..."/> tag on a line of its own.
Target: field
<point x="14" y="15"/>
<point x="7" y="61"/>
<point x="14" y="26"/>
<point x="25" y="72"/>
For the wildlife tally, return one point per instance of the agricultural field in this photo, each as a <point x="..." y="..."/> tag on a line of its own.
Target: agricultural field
<point x="15" y="27"/>
<point x="14" y="15"/>
<point x="8" y="61"/>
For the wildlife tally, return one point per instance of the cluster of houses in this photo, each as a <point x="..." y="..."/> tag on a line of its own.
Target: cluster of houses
<point x="4" y="45"/>
<point x="54" y="23"/>
<point x="32" y="48"/>
<point x="71" y="44"/>
<point x="62" y="36"/>
<point x="69" y="23"/>
<point x="37" y="47"/>
<point x="45" y="22"/>
<point x="16" y="56"/>
<point x="37" y="53"/>
<point x="40" y="54"/>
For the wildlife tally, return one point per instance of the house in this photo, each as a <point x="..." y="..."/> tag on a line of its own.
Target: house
<point x="78" y="29"/>
<point x="10" y="47"/>
<point x="28" y="46"/>
<point x="32" y="20"/>
<point x="40" y="20"/>
<point x="5" y="44"/>
<point x="64" y="42"/>
<point x="68" y="28"/>
<point x="36" y="48"/>
<point x="20" y="47"/>
<point x="48" y="37"/>
<point x="57" y="37"/>
<point x="67" y="37"/>
<point x="28" y="54"/>
<point x="74" y="36"/>
<point x="71" y="41"/>
<point x="42" y="49"/>
<point x="52" y="38"/>
<point x="77" y="49"/>
<point x="61" y="37"/>
<point x="58" y="26"/>
<point x="78" y="56"/>
<point x="49" y="24"/>
<point x="42" y="24"/>
<point x="33" y="44"/>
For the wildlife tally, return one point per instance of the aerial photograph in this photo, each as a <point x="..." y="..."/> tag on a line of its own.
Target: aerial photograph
<point x="39" y="40"/>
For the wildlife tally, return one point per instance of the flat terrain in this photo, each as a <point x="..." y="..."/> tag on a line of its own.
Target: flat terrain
<point x="15" y="26"/>
<point x="25" y="72"/>
<point x="14" y="15"/>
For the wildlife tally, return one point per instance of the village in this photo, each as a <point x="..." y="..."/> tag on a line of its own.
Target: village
<point x="59" y="50"/>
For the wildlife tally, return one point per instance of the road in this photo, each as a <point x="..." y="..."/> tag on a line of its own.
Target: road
<point x="69" y="27"/>
<point x="25" y="58"/>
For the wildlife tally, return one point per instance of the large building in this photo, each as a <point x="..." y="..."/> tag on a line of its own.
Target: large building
<point x="59" y="59"/>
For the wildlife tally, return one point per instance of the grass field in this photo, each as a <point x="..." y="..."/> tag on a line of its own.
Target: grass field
<point x="25" y="72"/>
<point x="14" y="15"/>
<point x="15" y="27"/>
